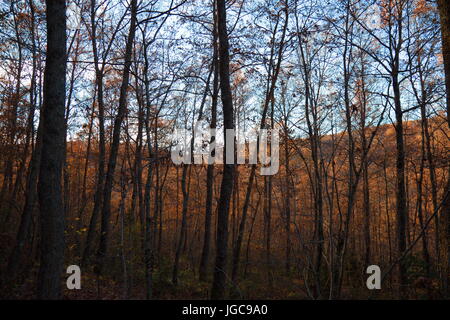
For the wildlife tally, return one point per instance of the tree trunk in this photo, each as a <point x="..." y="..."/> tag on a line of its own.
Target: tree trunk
<point x="401" y="189"/>
<point x="271" y="83"/>
<point x="218" y="285"/>
<point x="28" y="208"/>
<point x="109" y="179"/>
<point x="98" y="197"/>
<point x="52" y="159"/>
<point x="184" y="190"/>
<point x="210" y="171"/>
<point x="33" y="167"/>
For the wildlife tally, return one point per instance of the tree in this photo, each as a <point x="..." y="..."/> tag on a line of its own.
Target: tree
<point x="210" y="170"/>
<point x="226" y="188"/>
<point x="106" y="210"/>
<point x="53" y="153"/>
<point x="34" y="164"/>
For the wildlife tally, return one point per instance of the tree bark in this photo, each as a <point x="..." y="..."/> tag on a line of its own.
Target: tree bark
<point x="52" y="159"/>
<point x="219" y="281"/>
<point x="210" y="170"/>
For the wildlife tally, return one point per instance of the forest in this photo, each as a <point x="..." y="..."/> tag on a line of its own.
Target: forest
<point x="351" y="101"/>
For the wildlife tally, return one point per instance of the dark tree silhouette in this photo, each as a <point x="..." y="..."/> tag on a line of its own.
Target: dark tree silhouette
<point x="53" y="153"/>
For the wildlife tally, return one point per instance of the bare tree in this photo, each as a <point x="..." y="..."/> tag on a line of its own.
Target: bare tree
<point x="109" y="179"/>
<point x="226" y="188"/>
